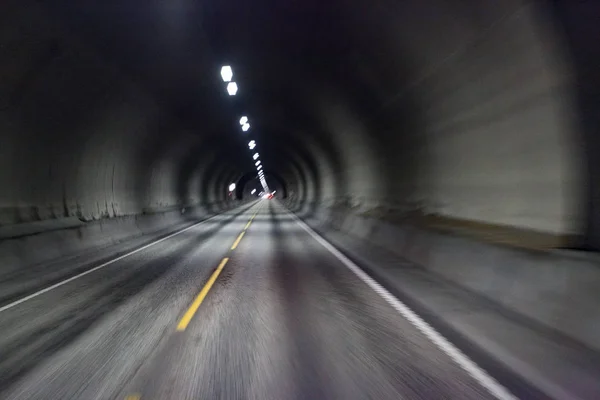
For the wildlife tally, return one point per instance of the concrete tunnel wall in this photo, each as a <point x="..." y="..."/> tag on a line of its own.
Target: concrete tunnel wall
<point x="472" y="121"/>
<point x="79" y="137"/>
<point x="482" y="129"/>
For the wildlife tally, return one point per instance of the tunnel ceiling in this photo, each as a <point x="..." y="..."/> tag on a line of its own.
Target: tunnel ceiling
<point x="291" y="60"/>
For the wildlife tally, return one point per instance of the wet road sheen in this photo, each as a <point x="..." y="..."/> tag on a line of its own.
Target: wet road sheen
<point x="282" y="318"/>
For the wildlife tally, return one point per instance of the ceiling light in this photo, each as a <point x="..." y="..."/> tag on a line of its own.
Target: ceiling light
<point x="226" y="73"/>
<point x="255" y="156"/>
<point x="257" y="163"/>
<point x="252" y="144"/>
<point x="232" y="88"/>
<point x="232" y="187"/>
<point x="243" y="120"/>
<point x="245" y="127"/>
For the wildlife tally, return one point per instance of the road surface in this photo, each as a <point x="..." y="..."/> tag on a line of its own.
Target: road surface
<point x="247" y="305"/>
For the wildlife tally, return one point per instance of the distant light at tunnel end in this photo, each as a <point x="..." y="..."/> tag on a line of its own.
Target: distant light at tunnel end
<point x="226" y="73"/>
<point x="232" y="88"/>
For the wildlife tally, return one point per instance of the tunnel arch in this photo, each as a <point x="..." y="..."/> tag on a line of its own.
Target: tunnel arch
<point x="460" y="110"/>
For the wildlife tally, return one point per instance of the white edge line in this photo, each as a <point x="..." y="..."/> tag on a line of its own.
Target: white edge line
<point x="478" y="373"/>
<point x="89" y="271"/>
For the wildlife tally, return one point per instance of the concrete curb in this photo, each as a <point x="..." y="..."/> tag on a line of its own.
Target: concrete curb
<point x="68" y="239"/>
<point x="558" y="291"/>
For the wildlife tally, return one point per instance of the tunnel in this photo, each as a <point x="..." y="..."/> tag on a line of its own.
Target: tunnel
<point x="461" y="137"/>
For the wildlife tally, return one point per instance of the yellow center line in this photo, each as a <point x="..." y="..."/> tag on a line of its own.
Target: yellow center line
<point x="248" y="225"/>
<point x="189" y="314"/>
<point x="133" y="397"/>
<point x="237" y="241"/>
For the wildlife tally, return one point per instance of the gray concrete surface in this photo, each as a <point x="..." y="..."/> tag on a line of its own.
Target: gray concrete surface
<point x="285" y="319"/>
<point x="549" y="365"/>
<point x="41" y="244"/>
<point x="556" y="290"/>
<point x="37" y="261"/>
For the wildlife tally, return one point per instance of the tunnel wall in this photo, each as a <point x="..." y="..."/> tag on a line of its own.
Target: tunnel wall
<point x="475" y="116"/>
<point x="70" y="126"/>
<point x="79" y="138"/>
<point x="501" y="139"/>
<point x="88" y="157"/>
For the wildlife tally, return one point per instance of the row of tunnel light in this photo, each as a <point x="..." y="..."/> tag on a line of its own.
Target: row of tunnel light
<point x="232" y="89"/>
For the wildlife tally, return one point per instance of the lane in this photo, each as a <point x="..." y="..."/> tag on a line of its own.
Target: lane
<point x="86" y="339"/>
<point x="287" y="320"/>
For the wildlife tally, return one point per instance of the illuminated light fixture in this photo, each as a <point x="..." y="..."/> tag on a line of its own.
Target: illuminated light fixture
<point x="226" y="73"/>
<point x="243" y="120"/>
<point x="257" y="163"/>
<point x="232" y="88"/>
<point x="253" y="191"/>
<point x="232" y="187"/>
<point x="252" y="144"/>
<point x="255" y="156"/>
<point x="259" y="168"/>
<point x="245" y="127"/>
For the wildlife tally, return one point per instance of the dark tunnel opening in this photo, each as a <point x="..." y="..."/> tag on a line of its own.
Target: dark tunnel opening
<point x="249" y="181"/>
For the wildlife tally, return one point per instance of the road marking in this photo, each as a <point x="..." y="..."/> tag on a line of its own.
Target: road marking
<point x="237" y="241"/>
<point x="133" y="397"/>
<point x="189" y="314"/>
<point x="89" y="271"/>
<point x="478" y="373"/>
<point x="248" y="225"/>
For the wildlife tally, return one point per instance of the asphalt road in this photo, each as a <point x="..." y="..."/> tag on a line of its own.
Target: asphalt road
<point x="284" y="319"/>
